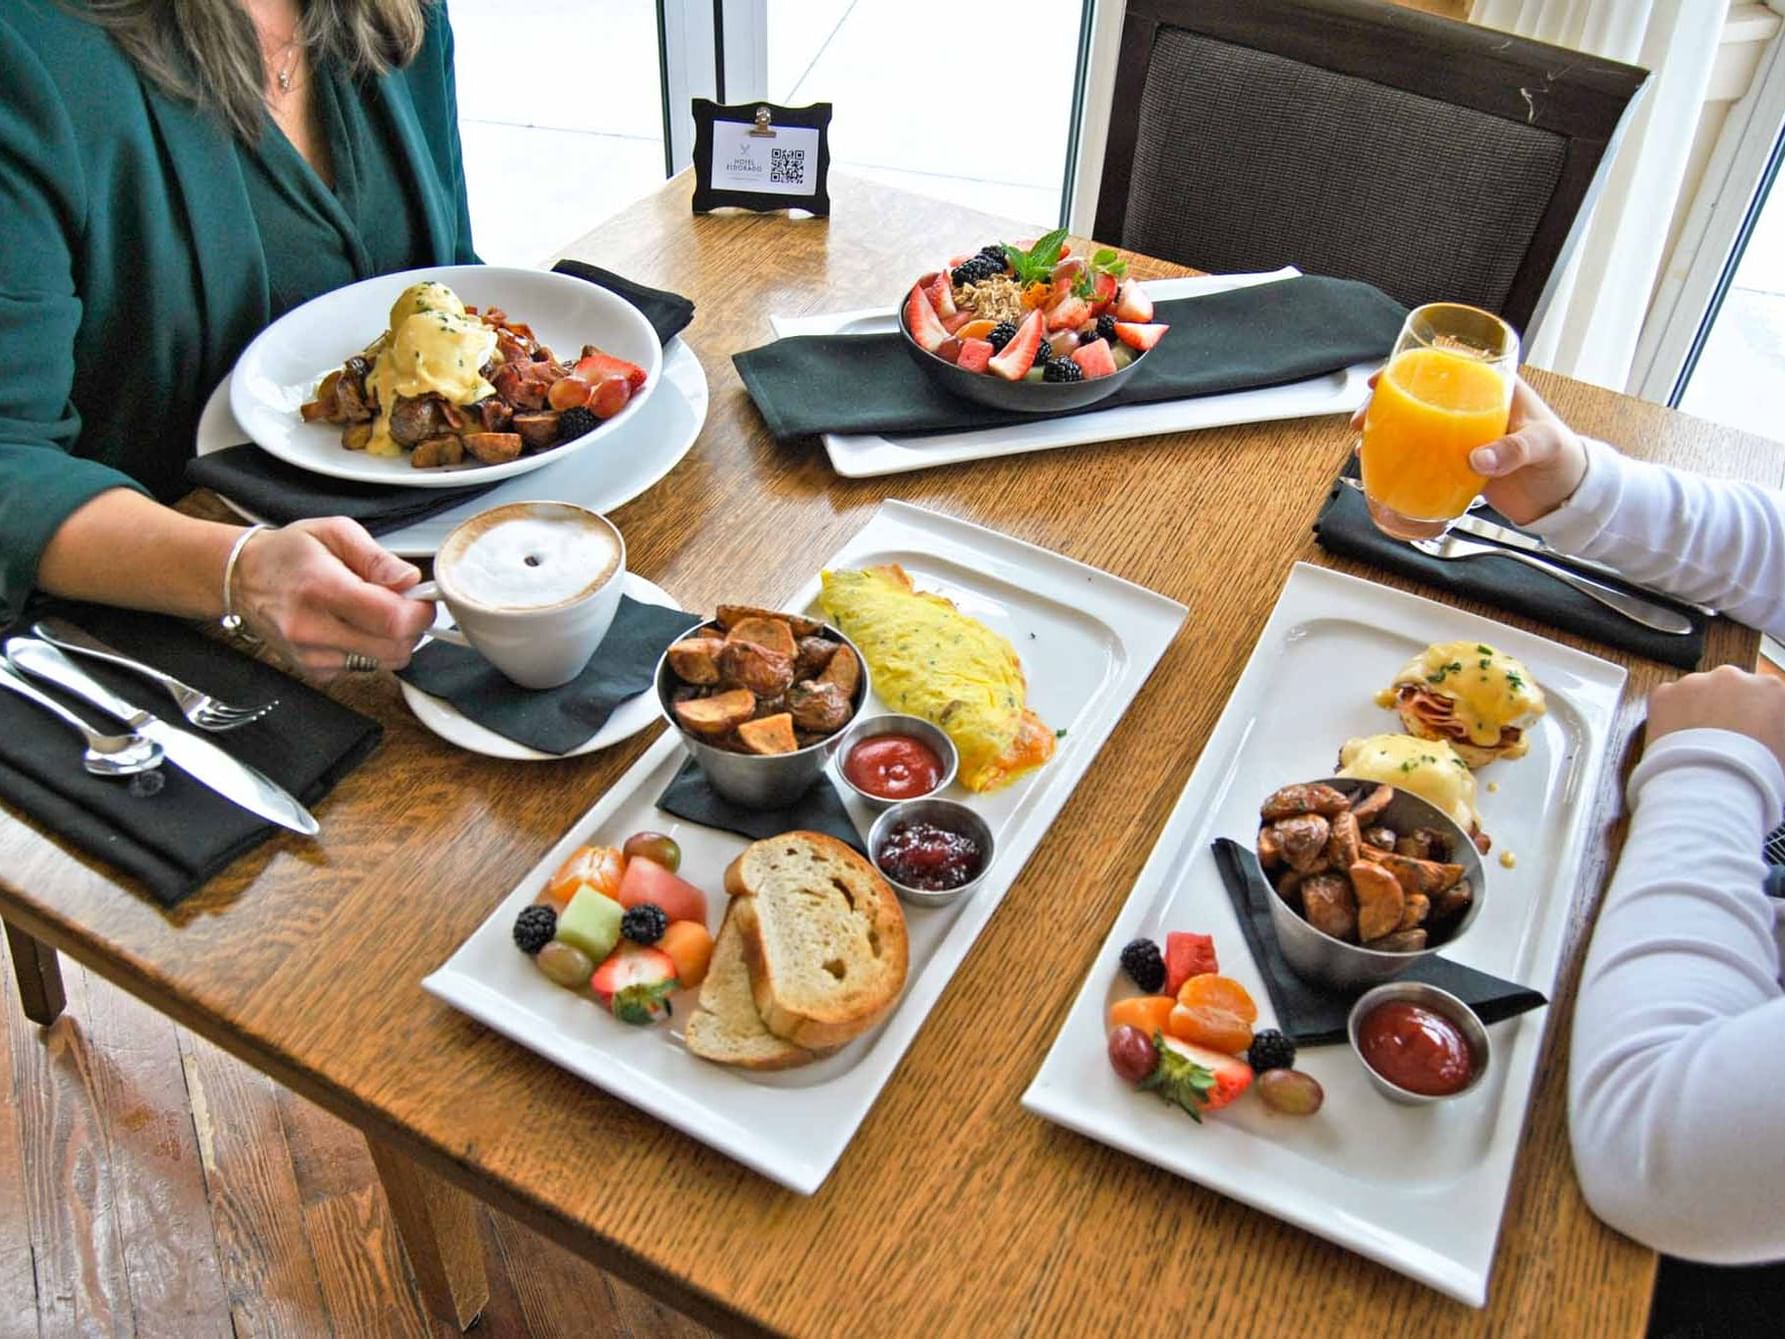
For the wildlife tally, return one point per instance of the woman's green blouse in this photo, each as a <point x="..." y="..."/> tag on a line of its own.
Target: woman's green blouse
<point x="142" y="247"/>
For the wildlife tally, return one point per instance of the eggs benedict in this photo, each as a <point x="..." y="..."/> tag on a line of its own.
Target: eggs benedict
<point x="1480" y="701"/>
<point x="430" y="349"/>
<point x="1430" y="769"/>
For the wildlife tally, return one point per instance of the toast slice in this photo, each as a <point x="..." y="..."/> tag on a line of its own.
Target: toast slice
<point x="725" y="1026"/>
<point x="824" y="938"/>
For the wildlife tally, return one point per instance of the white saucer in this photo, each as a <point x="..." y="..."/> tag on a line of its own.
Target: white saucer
<point x="631" y="716"/>
<point x="633" y="458"/>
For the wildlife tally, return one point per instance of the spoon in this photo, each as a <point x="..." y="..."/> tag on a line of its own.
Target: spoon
<point x="106" y="755"/>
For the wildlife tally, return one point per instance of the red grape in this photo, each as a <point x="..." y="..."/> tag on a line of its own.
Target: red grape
<point x="611" y="395"/>
<point x="654" y="846"/>
<point x="568" y="393"/>
<point x="1132" y="1054"/>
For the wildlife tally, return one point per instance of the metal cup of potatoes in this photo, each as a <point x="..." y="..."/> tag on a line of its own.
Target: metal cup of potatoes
<point x="1376" y="885"/>
<point x="761" y="699"/>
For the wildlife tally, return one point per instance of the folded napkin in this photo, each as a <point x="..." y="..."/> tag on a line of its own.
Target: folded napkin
<point x="1243" y="339"/>
<point x="281" y="493"/>
<point x="1315" y="1015"/>
<point x="820" y="809"/>
<point x="554" y="720"/>
<point x="1344" y="527"/>
<point x="163" y="827"/>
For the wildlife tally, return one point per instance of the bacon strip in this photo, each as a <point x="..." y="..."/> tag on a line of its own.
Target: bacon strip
<point x="1438" y="714"/>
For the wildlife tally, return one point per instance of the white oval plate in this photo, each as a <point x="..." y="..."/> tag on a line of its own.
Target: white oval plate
<point x="280" y="369"/>
<point x="631" y="716"/>
<point x="644" y="449"/>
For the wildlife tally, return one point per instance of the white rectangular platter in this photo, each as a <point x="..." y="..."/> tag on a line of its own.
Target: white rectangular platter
<point x="858" y="456"/>
<point x="1087" y="640"/>
<point x="1420" y="1189"/>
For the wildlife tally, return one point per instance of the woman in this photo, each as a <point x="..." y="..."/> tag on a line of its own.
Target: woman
<point x="1677" y="1077"/>
<point x="174" y="174"/>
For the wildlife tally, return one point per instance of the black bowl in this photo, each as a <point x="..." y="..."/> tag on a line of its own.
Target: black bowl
<point x="1022" y="397"/>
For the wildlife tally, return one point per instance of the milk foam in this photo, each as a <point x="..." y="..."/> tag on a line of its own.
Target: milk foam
<point x="530" y="561"/>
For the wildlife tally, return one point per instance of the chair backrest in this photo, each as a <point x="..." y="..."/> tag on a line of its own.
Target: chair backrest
<point x="1438" y="160"/>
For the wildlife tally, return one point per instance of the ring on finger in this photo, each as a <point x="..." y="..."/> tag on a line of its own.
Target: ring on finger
<point x="358" y="663"/>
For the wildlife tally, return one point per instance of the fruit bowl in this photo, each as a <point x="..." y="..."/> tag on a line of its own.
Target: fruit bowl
<point x="1030" y="329"/>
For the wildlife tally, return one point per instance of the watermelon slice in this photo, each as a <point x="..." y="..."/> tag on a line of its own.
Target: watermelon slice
<point x="647" y="881"/>
<point x="1068" y="314"/>
<point x="921" y="319"/>
<point x="1019" y="355"/>
<point x="1133" y="304"/>
<point x="976" y="355"/>
<point x="1188" y="955"/>
<point x="1141" y="337"/>
<point x="1094" y="359"/>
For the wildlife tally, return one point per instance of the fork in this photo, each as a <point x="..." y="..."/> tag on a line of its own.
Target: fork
<point x="1645" y="612"/>
<point x="203" y="710"/>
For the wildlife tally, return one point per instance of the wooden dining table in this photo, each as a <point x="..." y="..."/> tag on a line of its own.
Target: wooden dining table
<point x="954" y="1211"/>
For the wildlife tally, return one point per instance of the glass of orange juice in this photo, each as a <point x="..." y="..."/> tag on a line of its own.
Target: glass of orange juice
<point x="1447" y="389"/>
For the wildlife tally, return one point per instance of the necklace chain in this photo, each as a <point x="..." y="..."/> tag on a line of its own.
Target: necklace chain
<point x="292" y="49"/>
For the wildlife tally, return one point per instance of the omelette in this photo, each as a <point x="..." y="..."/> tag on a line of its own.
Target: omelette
<point x="929" y="659"/>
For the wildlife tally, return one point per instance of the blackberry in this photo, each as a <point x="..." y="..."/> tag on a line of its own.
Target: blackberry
<point x="976" y="269"/>
<point x="534" y="928"/>
<point x="1106" y="328"/>
<point x="1063" y="370"/>
<point x="644" y="923"/>
<point x="1044" y="354"/>
<point x="1002" y="334"/>
<point x="1142" y="960"/>
<point x="995" y="253"/>
<point x="1271" y="1050"/>
<point x="576" y="421"/>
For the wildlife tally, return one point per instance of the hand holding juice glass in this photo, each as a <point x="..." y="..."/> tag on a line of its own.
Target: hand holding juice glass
<point x="1447" y="389"/>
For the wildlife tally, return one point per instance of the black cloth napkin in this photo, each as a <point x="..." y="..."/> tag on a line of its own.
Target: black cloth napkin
<point x="281" y="493"/>
<point x="554" y="720"/>
<point x="168" y="830"/>
<point x="1316" y="1016"/>
<point x="1243" y="339"/>
<point x="1344" y="527"/>
<point x="820" y="809"/>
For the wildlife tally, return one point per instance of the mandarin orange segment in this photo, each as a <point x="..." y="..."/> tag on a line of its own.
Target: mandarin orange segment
<point x="1219" y="992"/>
<point x="1205" y="1025"/>
<point x="1149" y="1013"/>
<point x="975" y="330"/>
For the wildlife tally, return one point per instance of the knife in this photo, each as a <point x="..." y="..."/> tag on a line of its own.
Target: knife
<point x="231" y="778"/>
<point x="1471" y="524"/>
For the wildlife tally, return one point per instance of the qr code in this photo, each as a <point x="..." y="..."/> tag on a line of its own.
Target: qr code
<point x="787" y="167"/>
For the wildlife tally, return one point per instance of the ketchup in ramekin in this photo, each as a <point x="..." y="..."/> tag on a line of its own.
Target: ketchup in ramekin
<point x="893" y="767"/>
<point x="1416" y="1048"/>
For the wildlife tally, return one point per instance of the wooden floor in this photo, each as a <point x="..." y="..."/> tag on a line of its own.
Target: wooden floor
<point x="151" y="1184"/>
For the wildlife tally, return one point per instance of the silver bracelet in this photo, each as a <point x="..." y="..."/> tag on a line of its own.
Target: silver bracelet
<point x="231" y="620"/>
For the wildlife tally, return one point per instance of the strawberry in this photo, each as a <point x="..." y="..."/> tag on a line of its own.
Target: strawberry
<point x="635" y="983"/>
<point x="1019" y="355"/>
<point x="921" y="319"/>
<point x="1141" y="337"/>
<point x="1105" y="285"/>
<point x="941" y="295"/>
<point x="594" y="365"/>
<point x="1187" y="955"/>
<point x="1195" y="1077"/>
<point x="953" y="324"/>
<point x="976" y="355"/>
<point x="1094" y="359"/>
<point x="1068" y="313"/>
<point x="1133" y="304"/>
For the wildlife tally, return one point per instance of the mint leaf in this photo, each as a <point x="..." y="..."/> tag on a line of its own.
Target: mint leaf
<point x="1036" y="265"/>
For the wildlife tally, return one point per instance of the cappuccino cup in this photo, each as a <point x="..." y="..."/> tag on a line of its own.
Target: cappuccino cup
<point x="532" y="586"/>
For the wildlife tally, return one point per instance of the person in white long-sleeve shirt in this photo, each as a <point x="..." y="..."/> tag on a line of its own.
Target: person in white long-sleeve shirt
<point x="1676" y="1086"/>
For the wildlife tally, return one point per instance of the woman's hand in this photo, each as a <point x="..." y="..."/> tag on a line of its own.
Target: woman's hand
<point x="317" y="590"/>
<point x="1534" y="468"/>
<point x="1724" y="699"/>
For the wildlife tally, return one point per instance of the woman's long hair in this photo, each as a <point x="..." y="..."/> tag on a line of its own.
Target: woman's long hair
<point x="206" y="52"/>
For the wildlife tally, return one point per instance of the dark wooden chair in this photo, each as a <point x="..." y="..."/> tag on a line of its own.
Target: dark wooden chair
<point x="1432" y="158"/>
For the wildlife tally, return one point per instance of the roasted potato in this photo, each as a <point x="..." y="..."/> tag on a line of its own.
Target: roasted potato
<point x="1401" y="941"/>
<point x="772" y="634"/>
<point x="770" y="734"/>
<point x="445" y="449"/>
<point x="356" y="436"/>
<point x="818" y="706"/>
<point x="1308" y="797"/>
<point x="1423" y="844"/>
<point x="1381" y="901"/>
<point x="730" y="615"/>
<point x="814" y="654"/>
<point x="1451" y="904"/>
<point x="538" y="431"/>
<point x="1416" y="876"/>
<point x="416" y="418"/>
<point x="844" y="670"/>
<point x="1330" y="906"/>
<point x="1382" y="838"/>
<point x="718" y="714"/>
<point x="1419" y="906"/>
<point x="1270" y="848"/>
<point x="492" y="448"/>
<point x="696" y="659"/>
<point x="1367" y="806"/>
<point x="1343" y="841"/>
<point x="765" y="672"/>
<point x="1304" y="840"/>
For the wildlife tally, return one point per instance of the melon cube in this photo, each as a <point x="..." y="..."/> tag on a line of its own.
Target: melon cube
<point x="591" y="921"/>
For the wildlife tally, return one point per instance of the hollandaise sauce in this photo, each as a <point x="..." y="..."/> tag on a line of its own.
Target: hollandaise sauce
<point x="431" y="346"/>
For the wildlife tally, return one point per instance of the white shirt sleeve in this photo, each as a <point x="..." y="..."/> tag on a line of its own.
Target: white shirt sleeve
<point x="1710" y="541"/>
<point x="1676" y="1087"/>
